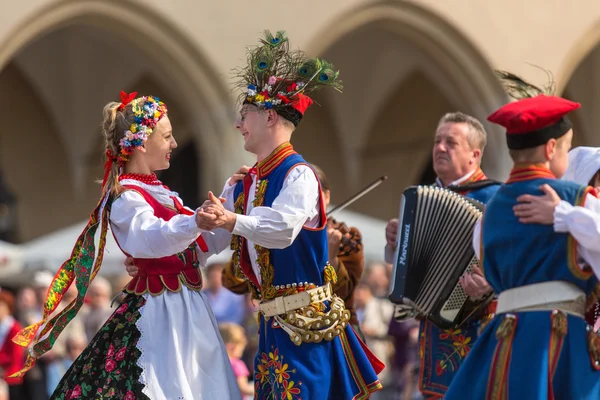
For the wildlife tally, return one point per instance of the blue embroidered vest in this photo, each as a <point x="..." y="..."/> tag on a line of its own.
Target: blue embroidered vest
<point x="304" y="261"/>
<point x="516" y="254"/>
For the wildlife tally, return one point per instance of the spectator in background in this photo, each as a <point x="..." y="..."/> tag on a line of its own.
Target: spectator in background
<point x="3" y="390"/>
<point x="11" y="354"/>
<point x="57" y="360"/>
<point x="377" y="277"/>
<point x="227" y="306"/>
<point x="404" y="364"/>
<point x="28" y="309"/>
<point x="73" y="346"/>
<point x="99" y="295"/>
<point x="374" y="315"/>
<point x="235" y="341"/>
<point x="41" y="282"/>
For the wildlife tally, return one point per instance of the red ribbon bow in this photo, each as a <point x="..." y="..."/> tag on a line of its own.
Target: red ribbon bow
<point x="110" y="158"/>
<point x="126" y="99"/>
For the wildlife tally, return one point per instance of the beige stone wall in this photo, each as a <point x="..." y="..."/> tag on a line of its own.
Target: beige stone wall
<point x="403" y="63"/>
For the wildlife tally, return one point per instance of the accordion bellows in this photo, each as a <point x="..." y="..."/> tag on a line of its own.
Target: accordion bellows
<point x="435" y="248"/>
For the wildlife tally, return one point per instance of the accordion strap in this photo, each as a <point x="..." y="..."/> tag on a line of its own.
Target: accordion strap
<point x="474" y="185"/>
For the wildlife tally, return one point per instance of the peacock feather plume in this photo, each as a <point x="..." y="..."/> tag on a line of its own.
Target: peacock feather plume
<point x="275" y="74"/>
<point x="518" y="88"/>
<point x="274" y="41"/>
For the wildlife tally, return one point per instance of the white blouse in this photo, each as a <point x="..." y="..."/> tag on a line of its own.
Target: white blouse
<point x="143" y="235"/>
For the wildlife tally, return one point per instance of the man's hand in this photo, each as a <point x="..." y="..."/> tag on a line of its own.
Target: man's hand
<point x="391" y="233"/>
<point x="213" y="215"/>
<point x="132" y="270"/>
<point x="239" y="175"/>
<point x="537" y="209"/>
<point x="213" y="205"/>
<point x="474" y="283"/>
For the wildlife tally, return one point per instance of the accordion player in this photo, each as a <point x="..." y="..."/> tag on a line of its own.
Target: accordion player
<point x="435" y="236"/>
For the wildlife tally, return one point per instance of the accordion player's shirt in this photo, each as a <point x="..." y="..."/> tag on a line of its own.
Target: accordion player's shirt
<point x="582" y="222"/>
<point x="276" y="227"/>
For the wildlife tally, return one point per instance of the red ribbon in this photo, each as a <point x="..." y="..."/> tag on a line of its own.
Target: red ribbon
<point x="110" y="158"/>
<point x="182" y="210"/>
<point x="126" y="99"/>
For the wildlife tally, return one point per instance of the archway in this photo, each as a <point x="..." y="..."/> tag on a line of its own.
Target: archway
<point x="583" y="86"/>
<point x="75" y="56"/>
<point x="403" y="67"/>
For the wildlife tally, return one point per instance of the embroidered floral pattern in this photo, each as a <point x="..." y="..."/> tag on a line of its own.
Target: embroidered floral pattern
<point x="107" y="368"/>
<point x="273" y="378"/>
<point x="593" y="340"/>
<point x="189" y="255"/>
<point x="454" y="347"/>
<point x="267" y="271"/>
<point x="259" y="196"/>
<point x="236" y="240"/>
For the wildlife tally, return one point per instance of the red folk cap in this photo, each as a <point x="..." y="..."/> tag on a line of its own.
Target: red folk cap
<point x="301" y="102"/>
<point x="533" y="121"/>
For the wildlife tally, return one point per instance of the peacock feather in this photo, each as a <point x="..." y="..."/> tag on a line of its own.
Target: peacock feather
<point x="518" y="88"/>
<point x="308" y="70"/>
<point x="328" y="76"/>
<point x="274" y="41"/>
<point x="274" y="71"/>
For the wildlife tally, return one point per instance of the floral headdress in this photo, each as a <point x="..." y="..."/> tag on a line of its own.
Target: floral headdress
<point x="147" y="111"/>
<point x="281" y="79"/>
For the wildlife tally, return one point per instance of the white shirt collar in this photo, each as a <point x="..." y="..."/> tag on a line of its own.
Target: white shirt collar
<point x="456" y="182"/>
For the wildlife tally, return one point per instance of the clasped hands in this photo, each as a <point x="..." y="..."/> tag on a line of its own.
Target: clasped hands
<point x="211" y="214"/>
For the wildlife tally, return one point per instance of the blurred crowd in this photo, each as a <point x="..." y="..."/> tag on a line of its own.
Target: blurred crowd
<point x="396" y="344"/>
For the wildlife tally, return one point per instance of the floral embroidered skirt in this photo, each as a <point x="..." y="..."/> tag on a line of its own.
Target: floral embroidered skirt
<point x="154" y="347"/>
<point x="441" y="353"/>
<point x="338" y="369"/>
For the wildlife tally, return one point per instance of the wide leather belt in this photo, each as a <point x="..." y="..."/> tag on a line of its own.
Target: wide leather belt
<point x="284" y="304"/>
<point x="544" y="296"/>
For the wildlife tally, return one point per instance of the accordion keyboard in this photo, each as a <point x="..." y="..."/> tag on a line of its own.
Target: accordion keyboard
<point x="435" y="248"/>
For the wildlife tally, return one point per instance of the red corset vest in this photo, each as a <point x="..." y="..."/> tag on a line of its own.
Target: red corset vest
<point x="166" y="273"/>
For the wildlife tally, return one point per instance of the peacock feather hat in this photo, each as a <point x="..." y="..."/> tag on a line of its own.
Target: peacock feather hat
<point x="282" y="79"/>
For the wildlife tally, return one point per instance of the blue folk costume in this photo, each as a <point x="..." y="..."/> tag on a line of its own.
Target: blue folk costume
<point x="442" y="351"/>
<point x="538" y="345"/>
<point x="307" y="349"/>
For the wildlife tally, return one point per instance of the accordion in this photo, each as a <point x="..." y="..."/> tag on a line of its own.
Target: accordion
<point x="435" y="248"/>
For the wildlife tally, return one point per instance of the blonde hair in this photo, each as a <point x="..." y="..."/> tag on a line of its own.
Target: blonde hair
<point x="232" y="333"/>
<point x="115" y="123"/>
